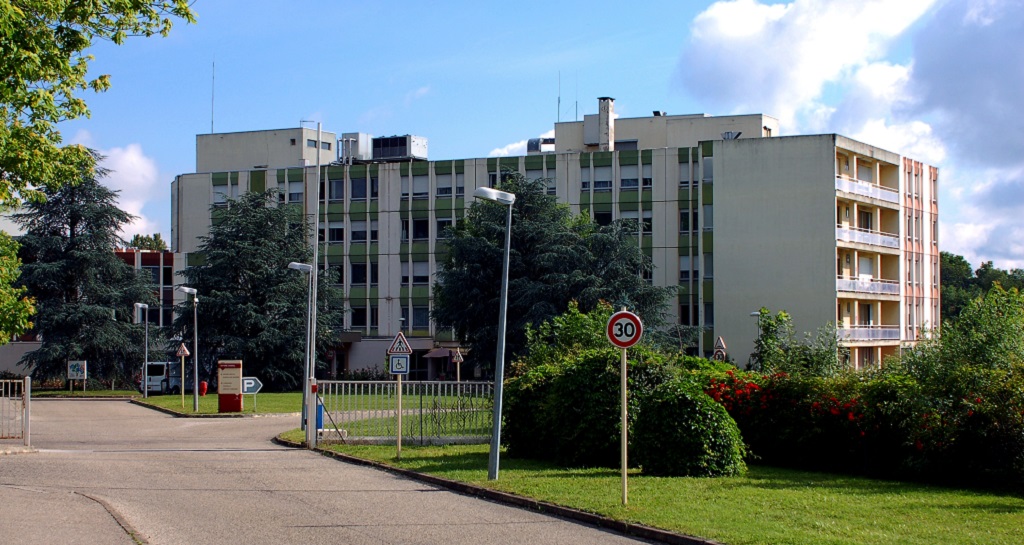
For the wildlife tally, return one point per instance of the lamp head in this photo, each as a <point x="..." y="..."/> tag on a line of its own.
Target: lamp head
<point x="142" y="306"/>
<point x="304" y="267"/>
<point x="188" y="290"/>
<point x="491" y="194"/>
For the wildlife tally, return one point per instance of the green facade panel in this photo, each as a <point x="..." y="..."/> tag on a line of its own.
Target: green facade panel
<point x="629" y="157"/>
<point x="219" y="178"/>
<point x="258" y="181"/>
<point x="603" y="197"/>
<point x="584" y="160"/>
<point x="534" y="162"/>
<point x="646" y="156"/>
<point x="707" y="193"/>
<point x="628" y="199"/>
<point x="709" y="291"/>
<point x="708" y="240"/>
<point x="550" y="160"/>
<point x="442" y="167"/>
<point x="707" y="149"/>
<point x="603" y="158"/>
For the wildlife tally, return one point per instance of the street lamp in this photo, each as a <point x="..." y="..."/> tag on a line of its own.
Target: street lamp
<point x="145" y="362"/>
<point x="306" y="269"/>
<point x="195" y="345"/>
<point x="507" y="199"/>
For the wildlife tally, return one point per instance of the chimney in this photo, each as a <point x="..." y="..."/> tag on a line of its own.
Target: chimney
<point x="606" y="123"/>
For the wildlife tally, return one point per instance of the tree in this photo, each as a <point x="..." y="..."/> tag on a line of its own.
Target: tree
<point x="43" y="67"/>
<point x="555" y="258"/>
<point x="958" y="286"/>
<point x="15" y="305"/>
<point x="251" y="305"/>
<point x="84" y="293"/>
<point x="148" y="242"/>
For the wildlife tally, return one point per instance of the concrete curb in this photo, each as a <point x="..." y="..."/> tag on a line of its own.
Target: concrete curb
<point x="11" y="451"/>
<point x="625" y="528"/>
<point x="184" y="415"/>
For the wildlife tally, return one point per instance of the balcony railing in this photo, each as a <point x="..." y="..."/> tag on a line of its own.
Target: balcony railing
<point x="876" y="238"/>
<point x="868" y="285"/>
<point x="869" y="333"/>
<point x="867" y="189"/>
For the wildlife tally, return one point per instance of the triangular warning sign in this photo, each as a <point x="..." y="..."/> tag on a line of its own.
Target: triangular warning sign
<point x="400" y="345"/>
<point x="182" y="351"/>
<point x="720" y="343"/>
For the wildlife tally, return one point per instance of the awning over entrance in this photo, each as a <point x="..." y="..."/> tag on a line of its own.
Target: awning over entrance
<point x="439" y="353"/>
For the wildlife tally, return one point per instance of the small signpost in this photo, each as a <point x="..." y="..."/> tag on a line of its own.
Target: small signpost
<point x="457" y="358"/>
<point x="229" y="386"/>
<point x="719" y="353"/>
<point x="182" y="353"/>
<point x="624" y="330"/>
<point x="78" y="370"/>
<point x="398" y="363"/>
<point x="251" y="385"/>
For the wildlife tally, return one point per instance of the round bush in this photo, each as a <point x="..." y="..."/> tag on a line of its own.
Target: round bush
<point x="681" y="431"/>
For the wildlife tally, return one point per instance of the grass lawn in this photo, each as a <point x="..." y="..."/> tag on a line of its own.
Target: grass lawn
<point x="269" y="403"/>
<point x="766" y="506"/>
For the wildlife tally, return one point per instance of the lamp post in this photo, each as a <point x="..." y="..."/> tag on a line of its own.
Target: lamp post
<point x="145" y="362"/>
<point x="308" y="270"/>
<point x="195" y="345"/>
<point x="507" y="199"/>
<point x="758" y="336"/>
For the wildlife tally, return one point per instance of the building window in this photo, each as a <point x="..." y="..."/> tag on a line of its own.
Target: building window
<point x="336" y="231"/>
<point x="310" y="143"/>
<point x="337" y="187"/>
<point x="358" y="189"/>
<point x="361" y="272"/>
<point x="420" y="229"/>
<point x="709" y="223"/>
<point x="359" y="231"/>
<point x="359" y="317"/>
<point x="684" y="268"/>
<point x="442" y="227"/>
<point x="293" y="141"/>
<point x="325" y="146"/>
<point x="709" y="314"/>
<point x="294" y="191"/>
<point x="646" y="223"/>
<point x="460" y="185"/>
<point x="603" y="218"/>
<point x="420" y="272"/>
<point x="602" y="178"/>
<point x="629" y="177"/>
<point x="648" y="176"/>
<point x="219" y="197"/>
<point x="444" y="185"/>
<point x="550" y="183"/>
<point x="684" y="220"/>
<point x="709" y="169"/>
<point x="709" y="266"/>
<point x="421" y="317"/>
<point x="684" y="174"/>
<point x="534" y="174"/>
<point x="585" y="178"/>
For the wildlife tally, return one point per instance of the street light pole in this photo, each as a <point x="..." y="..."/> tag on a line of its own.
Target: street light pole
<point x="507" y="199"/>
<point x="308" y="270"/>
<point x="195" y="345"/>
<point x="145" y="362"/>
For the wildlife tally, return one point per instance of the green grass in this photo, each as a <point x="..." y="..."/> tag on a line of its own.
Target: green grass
<point x="77" y="392"/>
<point x="766" y="506"/>
<point x="269" y="403"/>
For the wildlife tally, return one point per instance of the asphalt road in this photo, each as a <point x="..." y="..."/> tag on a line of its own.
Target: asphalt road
<point x="110" y="472"/>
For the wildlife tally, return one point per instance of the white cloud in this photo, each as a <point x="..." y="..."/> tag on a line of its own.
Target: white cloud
<point x="913" y="139"/>
<point x="136" y="177"/>
<point x="777" y="59"/>
<point x="516" y="148"/>
<point x="416" y="94"/>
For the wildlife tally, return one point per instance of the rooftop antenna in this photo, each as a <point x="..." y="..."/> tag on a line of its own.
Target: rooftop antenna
<point x="577" y="95"/>
<point x="213" y="86"/>
<point x="558" y="118"/>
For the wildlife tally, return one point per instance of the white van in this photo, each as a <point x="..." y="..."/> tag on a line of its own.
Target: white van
<point x="163" y="377"/>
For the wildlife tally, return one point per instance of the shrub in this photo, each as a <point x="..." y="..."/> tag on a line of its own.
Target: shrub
<point x="681" y="431"/>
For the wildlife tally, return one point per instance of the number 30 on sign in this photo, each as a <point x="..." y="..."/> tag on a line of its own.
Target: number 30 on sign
<point x="624" y="329"/>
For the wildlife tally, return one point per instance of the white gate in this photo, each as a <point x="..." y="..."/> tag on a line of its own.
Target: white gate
<point x="15" y="407"/>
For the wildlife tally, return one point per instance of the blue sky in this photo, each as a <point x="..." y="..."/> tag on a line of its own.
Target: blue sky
<point x="936" y="80"/>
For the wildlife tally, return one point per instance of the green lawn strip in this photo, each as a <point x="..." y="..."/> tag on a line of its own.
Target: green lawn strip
<point x="88" y="393"/>
<point x="766" y="506"/>
<point x="269" y="403"/>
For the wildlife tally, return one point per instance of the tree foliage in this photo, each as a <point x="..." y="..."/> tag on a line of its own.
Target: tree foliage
<point x="16" y="307"/>
<point x="777" y="350"/>
<point x="148" y="242"/>
<point x="84" y="293"/>
<point x="961" y="284"/>
<point x="555" y="258"/>
<point x="251" y="305"/>
<point x="44" y="66"/>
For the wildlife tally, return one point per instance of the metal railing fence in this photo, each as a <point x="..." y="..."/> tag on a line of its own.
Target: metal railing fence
<point x="434" y="412"/>
<point x="15" y="403"/>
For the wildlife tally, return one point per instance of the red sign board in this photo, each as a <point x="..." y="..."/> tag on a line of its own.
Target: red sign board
<point x="624" y="329"/>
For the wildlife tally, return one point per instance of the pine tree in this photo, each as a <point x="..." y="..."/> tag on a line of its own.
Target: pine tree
<point x="84" y="293"/>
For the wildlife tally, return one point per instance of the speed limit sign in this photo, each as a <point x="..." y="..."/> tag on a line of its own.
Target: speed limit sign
<point x="624" y="329"/>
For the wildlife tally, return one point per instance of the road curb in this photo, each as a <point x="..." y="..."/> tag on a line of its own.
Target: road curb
<point x="176" y="414"/>
<point x="625" y="528"/>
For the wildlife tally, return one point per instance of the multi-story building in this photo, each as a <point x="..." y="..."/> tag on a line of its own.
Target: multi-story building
<point x="824" y="227"/>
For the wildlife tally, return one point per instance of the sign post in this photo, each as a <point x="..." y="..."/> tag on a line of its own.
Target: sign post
<point x="182" y="353"/>
<point x="719" y="353"/>
<point x="398" y="363"/>
<point x="229" y="386"/>
<point x="251" y="385"/>
<point x="78" y="370"/>
<point x="624" y="330"/>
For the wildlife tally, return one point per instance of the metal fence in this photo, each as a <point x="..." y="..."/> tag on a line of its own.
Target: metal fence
<point x="15" y="402"/>
<point x="432" y="412"/>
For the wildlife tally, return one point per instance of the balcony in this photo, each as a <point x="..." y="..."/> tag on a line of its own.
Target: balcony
<point x="868" y="285"/>
<point x="864" y="236"/>
<point x="867" y="189"/>
<point x="869" y="333"/>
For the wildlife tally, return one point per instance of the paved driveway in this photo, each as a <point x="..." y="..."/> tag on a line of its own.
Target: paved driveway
<point x="108" y="468"/>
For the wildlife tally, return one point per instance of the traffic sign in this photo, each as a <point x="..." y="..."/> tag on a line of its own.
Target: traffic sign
<point x="251" y="385"/>
<point x="399" y="364"/>
<point x="720" y="343"/>
<point x="719" y="355"/>
<point x="182" y="351"/>
<point x="457" y="358"/>
<point x="399" y="345"/>
<point x="624" y="329"/>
